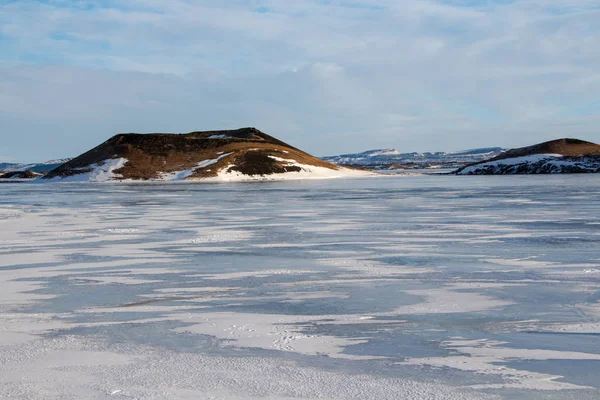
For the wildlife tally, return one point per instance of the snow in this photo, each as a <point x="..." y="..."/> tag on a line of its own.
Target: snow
<point x="389" y="156"/>
<point x="220" y="137"/>
<point x="338" y="290"/>
<point x="9" y="167"/>
<point x="484" y="355"/>
<point x="446" y="300"/>
<point x="176" y="175"/>
<point x="306" y="172"/>
<point x="386" y="152"/>
<point x="290" y="162"/>
<point x="534" y="158"/>
<point x="57" y="161"/>
<point x="102" y="172"/>
<point x="269" y="332"/>
<point x="74" y="367"/>
<point x="183" y="174"/>
<point x="105" y="172"/>
<point x="17" y="179"/>
<point x="553" y="163"/>
<point x="206" y="163"/>
<point x="17" y="167"/>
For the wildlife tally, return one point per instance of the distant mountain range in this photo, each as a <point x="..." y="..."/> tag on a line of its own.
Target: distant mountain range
<point x="391" y="158"/>
<point x="34" y="167"/>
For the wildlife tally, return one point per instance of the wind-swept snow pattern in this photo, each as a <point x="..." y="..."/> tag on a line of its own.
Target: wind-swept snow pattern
<point x="403" y="287"/>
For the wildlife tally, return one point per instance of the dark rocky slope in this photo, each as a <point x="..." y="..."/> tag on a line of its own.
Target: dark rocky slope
<point x="554" y="157"/>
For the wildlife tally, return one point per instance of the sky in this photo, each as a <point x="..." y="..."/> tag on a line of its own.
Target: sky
<point x="327" y="76"/>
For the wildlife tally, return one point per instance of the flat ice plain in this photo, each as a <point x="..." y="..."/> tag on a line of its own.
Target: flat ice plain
<point x="436" y="287"/>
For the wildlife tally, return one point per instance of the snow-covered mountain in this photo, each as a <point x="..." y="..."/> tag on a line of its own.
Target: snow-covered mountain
<point x="35" y="167"/>
<point x="389" y="157"/>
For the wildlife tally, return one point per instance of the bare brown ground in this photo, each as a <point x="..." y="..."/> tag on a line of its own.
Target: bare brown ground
<point x="19" y="175"/>
<point x="564" y="147"/>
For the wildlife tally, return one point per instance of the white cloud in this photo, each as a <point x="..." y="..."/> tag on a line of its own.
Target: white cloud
<point x="331" y="78"/>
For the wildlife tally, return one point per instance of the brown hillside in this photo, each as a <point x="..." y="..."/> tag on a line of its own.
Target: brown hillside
<point x="19" y="175"/>
<point x="565" y="147"/>
<point x="149" y="156"/>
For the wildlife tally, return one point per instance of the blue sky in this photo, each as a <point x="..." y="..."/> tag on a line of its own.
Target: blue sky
<point x="327" y="76"/>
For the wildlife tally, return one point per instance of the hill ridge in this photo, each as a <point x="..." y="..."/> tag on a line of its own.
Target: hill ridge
<point x="217" y="154"/>
<point x="564" y="155"/>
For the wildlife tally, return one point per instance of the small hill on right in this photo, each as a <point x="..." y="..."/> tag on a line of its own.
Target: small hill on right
<point x="561" y="156"/>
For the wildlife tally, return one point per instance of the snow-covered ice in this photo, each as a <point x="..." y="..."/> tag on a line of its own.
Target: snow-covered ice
<point x="436" y="287"/>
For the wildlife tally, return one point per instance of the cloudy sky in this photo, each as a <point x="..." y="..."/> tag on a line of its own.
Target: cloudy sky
<point x="324" y="75"/>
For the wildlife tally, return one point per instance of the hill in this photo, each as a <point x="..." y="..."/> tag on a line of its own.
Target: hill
<point x="242" y="154"/>
<point x="554" y="157"/>
<point x="19" y="175"/>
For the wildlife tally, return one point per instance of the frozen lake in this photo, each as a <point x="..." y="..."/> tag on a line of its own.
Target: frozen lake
<point x="395" y="287"/>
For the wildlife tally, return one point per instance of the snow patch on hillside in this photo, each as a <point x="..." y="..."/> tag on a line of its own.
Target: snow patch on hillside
<point x="105" y="172"/>
<point x="220" y="137"/>
<point x="183" y="174"/>
<point x="534" y="164"/>
<point x="306" y="172"/>
<point x="102" y="172"/>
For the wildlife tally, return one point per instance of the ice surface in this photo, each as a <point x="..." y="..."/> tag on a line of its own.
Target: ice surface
<point x="402" y="287"/>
